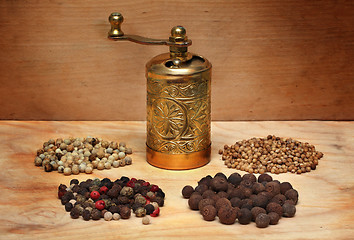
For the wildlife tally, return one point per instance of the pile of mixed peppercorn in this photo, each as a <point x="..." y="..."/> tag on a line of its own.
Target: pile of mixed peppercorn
<point x="95" y="198"/>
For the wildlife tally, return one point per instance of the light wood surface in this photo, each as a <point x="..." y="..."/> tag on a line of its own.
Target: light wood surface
<point x="29" y="208"/>
<point x="272" y="60"/>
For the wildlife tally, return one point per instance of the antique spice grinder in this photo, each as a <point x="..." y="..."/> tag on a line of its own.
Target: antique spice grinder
<point x="178" y="101"/>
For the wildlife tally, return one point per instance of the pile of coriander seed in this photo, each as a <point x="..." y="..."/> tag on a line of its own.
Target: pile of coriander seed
<point x="82" y="155"/>
<point x="271" y="154"/>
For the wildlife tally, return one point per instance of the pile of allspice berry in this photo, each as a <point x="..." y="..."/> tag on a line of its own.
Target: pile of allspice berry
<point x="271" y="154"/>
<point x="81" y="155"/>
<point x="95" y="199"/>
<point x="242" y="198"/>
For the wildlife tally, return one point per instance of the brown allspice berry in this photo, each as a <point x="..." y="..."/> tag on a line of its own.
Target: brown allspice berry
<point x="262" y="220"/>
<point x="227" y="215"/>
<point x="279" y="198"/>
<point x="204" y="202"/>
<point x="275" y="207"/>
<point x="257" y="210"/>
<point x="218" y="184"/>
<point x="222" y="202"/>
<point x="244" y="216"/>
<point x="205" y="180"/>
<point x="258" y="187"/>
<point x="247" y="183"/>
<point x="235" y="179"/>
<point x="274" y="218"/>
<point x="223" y="194"/>
<point x="260" y="201"/>
<point x="208" y="193"/>
<point x="273" y="188"/>
<point x="249" y="177"/>
<point x="187" y="191"/>
<point x="236" y="202"/>
<point x="265" y="178"/>
<point x="285" y="186"/>
<point x="247" y="192"/>
<point x="292" y="194"/>
<point x="289" y="210"/>
<point x="194" y="200"/>
<point x="125" y="212"/>
<point x="208" y="212"/>
<point x="237" y="192"/>
<point x="247" y="203"/>
<point x="201" y="188"/>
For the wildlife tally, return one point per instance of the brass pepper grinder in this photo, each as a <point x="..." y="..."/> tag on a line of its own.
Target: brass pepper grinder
<point x="178" y="101"/>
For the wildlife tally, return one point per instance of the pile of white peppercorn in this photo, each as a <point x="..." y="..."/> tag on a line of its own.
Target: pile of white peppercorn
<point x="271" y="154"/>
<point x="81" y="155"/>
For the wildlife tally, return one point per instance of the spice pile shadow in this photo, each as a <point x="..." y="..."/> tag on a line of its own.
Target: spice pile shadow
<point x="242" y="198"/>
<point x="95" y="199"/>
<point x="82" y="155"/>
<point x="271" y="154"/>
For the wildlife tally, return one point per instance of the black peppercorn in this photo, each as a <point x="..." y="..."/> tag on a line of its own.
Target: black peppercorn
<point x="262" y="220"/>
<point x="125" y="212"/>
<point x="285" y="186"/>
<point x="62" y="187"/>
<point x="235" y="179"/>
<point x="264" y="178"/>
<point x="113" y="192"/>
<point x="227" y="214"/>
<point x="255" y="211"/>
<point x="149" y="209"/>
<point x="95" y="214"/>
<point x="274" y="218"/>
<point x="75" y="213"/>
<point x="275" y="207"/>
<point x="114" y="209"/>
<point x="218" y="184"/>
<point x="160" y="193"/>
<point x="208" y="212"/>
<point x="86" y="215"/>
<point x="68" y="206"/>
<point x="74" y="181"/>
<point x="160" y="201"/>
<point x="244" y="216"/>
<point x="292" y="194"/>
<point x="194" y="200"/>
<point x="187" y="191"/>
<point x="289" y="210"/>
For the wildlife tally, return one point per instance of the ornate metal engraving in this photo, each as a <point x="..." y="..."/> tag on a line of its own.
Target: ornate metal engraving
<point x="178" y="116"/>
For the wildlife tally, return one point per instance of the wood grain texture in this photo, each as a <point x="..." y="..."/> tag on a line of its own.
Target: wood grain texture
<point x="30" y="209"/>
<point x="272" y="60"/>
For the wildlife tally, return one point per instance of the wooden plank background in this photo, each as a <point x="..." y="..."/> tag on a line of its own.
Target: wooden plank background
<point x="272" y="60"/>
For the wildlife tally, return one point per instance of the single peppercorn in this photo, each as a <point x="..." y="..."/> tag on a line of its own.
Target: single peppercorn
<point x="273" y="188"/>
<point x="74" y="181"/>
<point x="149" y="209"/>
<point x="194" y="200"/>
<point x="249" y="177"/>
<point x="235" y="179"/>
<point x="145" y="220"/>
<point x="108" y="216"/>
<point x="75" y="213"/>
<point x="279" y="198"/>
<point x="140" y="212"/>
<point x="223" y="194"/>
<point x="289" y="210"/>
<point x="208" y="212"/>
<point x="68" y="206"/>
<point x="262" y="220"/>
<point x="201" y="188"/>
<point x="227" y="215"/>
<point x="236" y="202"/>
<point x="265" y="178"/>
<point x="125" y="212"/>
<point x="204" y="202"/>
<point x="220" y="174"/>
<point x="244" y="216"/>
<point x="260" y="201"/>
<point x="222" y="202"/>
<point x="96" y="214"/>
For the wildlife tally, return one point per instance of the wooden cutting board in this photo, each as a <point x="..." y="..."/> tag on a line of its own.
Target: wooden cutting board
<point x="30" y="209"/>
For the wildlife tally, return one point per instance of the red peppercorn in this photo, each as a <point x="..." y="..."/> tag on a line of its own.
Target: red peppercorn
<point x="133" y="180"/>
<point x="154" y="188"/>
<point x="103" y="190"/>
<point x="155" y="213"/>
<point x="146" y="184"/>
<point x="95" y="195"/>
<point x="100" y="205"/>
<point x="131" y="184"/>
<point x="61" y="194"/>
